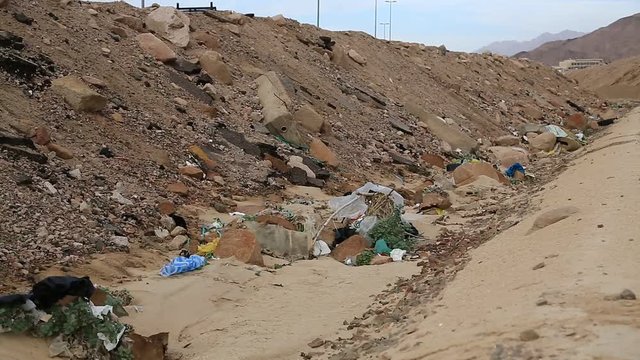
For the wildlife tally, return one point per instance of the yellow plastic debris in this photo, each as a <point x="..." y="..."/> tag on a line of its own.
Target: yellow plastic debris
<point x="209" y="248"/>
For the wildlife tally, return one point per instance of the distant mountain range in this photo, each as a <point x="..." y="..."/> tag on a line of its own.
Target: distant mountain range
<point x="512" y="47"/>
<point x="619" y="40"/>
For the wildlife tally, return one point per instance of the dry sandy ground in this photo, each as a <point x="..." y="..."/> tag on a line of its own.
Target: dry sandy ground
<point x="231" y="310"/>
<point x="588" y="256"/>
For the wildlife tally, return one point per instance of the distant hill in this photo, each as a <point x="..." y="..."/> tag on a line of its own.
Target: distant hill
<point x="616" y="41"/>
<point x="618" y="80"/>
<point x="512" y="47"/>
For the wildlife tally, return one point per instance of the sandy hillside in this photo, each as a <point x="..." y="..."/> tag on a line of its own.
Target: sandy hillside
<point x="616" y="81"/>
<point x="543" y="294"/>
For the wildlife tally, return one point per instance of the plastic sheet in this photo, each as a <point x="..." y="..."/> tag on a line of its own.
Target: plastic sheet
<point x="182" y="264"/>
<point x="353" y="206"/>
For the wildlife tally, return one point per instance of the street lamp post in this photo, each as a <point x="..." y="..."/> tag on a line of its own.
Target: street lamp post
<point x="375" y="21"/>
<point x="318" y="15"/>
<point x="390" y="6"/>
<point x="385" y="24"/>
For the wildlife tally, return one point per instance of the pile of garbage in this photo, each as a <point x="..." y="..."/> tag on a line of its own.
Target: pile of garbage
<point x="81" y="320"/>
<point x="373" y="230"/>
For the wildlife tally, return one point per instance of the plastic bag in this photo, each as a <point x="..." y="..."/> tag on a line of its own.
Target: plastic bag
<point x="367" y="224"/>
<point x="397" y="254"/>
<point x="182" y="264"/>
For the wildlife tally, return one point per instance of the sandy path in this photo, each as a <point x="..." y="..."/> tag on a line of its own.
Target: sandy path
<point x="228" y="312"/>
<point x="594" y="253"/>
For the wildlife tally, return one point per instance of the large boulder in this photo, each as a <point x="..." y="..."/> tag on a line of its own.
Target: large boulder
<point x="448" y="133"/>
<point x="545" y="141"/>
<point x="508" y="156"/>
<point x="350" y="247"/>
<point x="211" y="62"/>
<point x="309" y="119"/>
<point x="274" y="100"/>
<point x="78" y="94"/>
<point x="470" y="172"/>
<point x="282" y="242"/>
<point x="320" y="151"/>
<point x="433" y="160"/>
<point x="170" y="24"/>
<point x="241" y="244"/>
<point x="156" y="48"/>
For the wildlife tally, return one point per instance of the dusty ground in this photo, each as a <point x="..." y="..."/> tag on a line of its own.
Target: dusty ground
<point x="593" y="254"/>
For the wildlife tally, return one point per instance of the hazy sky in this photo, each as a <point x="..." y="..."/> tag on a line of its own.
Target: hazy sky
<point x="464" y="25"/>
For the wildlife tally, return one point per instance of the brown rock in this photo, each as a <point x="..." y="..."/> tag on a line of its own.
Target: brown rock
<point x="166" y="207"/>
<point x="507" y="140"/>
<point x="41" y="136"/>
<point x="350" y="247"/>
<point x="569" y="143"/>
<point x="156" y="48"/>
<point x="593" y="125"/>
<point x="320" y="151"/>
<point x="508" y="156"/>
<point x="153" y="347"/>
<point x="433" y="160"/>
<point x="545" y="141"/>
<point x="192" y="171"/>
<point x="277" y="164"/>
<point x="309" y="119"/>
<point x="276" y="220"/>
<point x="203" y="156"/>
<point x="434" y="200"/>
<point x="4" y="3"/>
<point x="576" y="121"/>
<point x="161" y="157"/>
<point x="131" y="22"/>
<point x="381" y="260"/>
<point x="94" y="81"/>
<point x="357" y="57"/>
<point x="316" y="343"/>
<point x="178" y="188"/>
<point x="77" y="94"/>
<point x="468" y="173"/>
<point x="242" y="245"/>
<point x="119" y="31"/>
<point x="60" y="151"/>
<point x="117" y="117"/>
<point x="529" y="335"/>
<point x="212" y="63"/>
<point x="204" y="38"/>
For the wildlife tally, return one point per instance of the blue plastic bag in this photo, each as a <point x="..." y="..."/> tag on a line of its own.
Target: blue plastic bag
<point x="511" y="171"/>
<point x="182" y="264"/>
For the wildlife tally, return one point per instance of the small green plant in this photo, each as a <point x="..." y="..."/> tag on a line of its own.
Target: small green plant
<point x="365" y="257"/>
<point x="394" y="231"/>
<point x="16" y="320"/>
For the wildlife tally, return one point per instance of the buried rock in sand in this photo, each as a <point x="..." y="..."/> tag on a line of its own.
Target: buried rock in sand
<point x="552" y="217"/>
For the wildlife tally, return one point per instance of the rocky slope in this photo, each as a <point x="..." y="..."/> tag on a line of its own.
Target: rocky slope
<point x="105" y="126"/>
<point x="615" y="81"/>
<point x="619" y="40"/>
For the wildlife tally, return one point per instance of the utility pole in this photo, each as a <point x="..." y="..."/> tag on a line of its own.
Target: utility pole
<point x="375" y="21"/>
<point x="318" y="15"/>
<point x="385" y="29"/>
<point x="390" y="6"/>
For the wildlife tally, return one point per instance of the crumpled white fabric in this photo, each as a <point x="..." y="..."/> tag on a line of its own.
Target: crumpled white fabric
<point x="320" y="248"/>
<point x="100" y="312"/>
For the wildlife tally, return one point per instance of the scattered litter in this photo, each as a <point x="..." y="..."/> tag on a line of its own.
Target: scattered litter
<point x="556" y="130"/>
<point x="208" y="249"/>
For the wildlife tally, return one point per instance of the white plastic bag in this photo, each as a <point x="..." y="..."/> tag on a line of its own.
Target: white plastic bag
<point x="397" y="254"/>
<point x="320" y="248"/>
